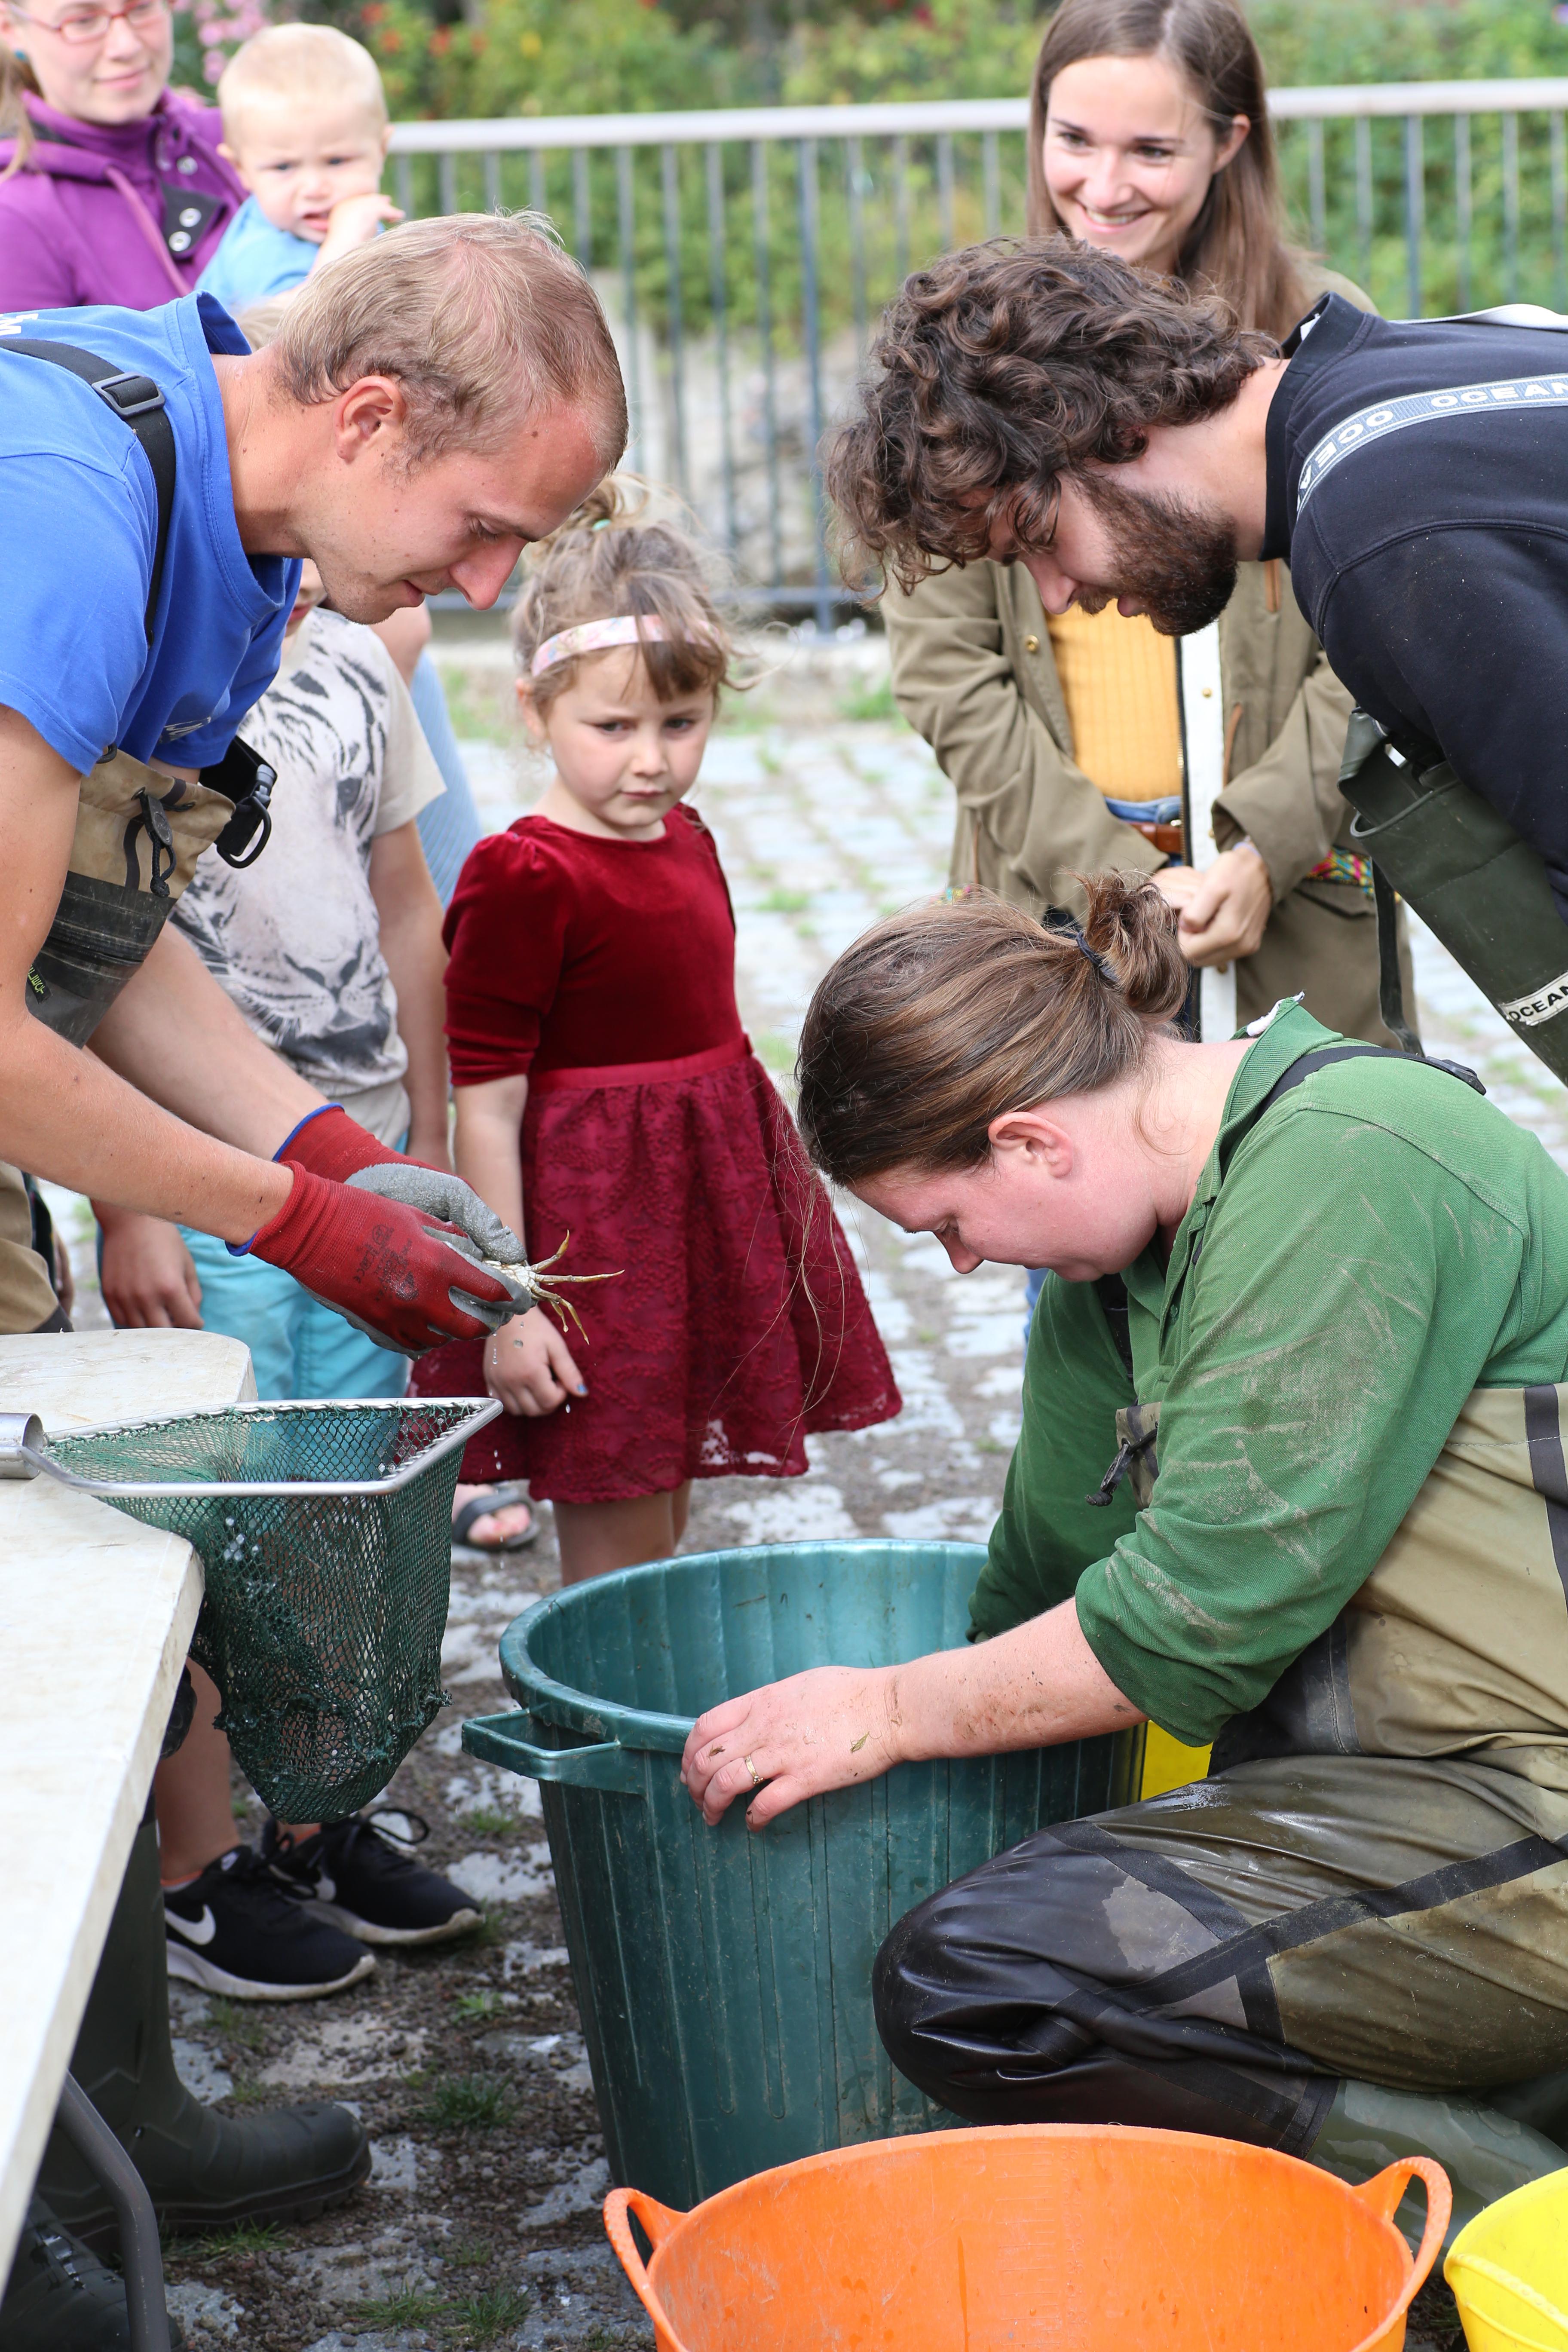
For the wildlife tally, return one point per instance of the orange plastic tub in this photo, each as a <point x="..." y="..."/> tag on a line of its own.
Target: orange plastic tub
<point x="1039" y="2238"/>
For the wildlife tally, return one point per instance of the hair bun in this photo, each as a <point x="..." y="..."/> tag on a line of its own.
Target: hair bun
<point x="1132" y="926"/>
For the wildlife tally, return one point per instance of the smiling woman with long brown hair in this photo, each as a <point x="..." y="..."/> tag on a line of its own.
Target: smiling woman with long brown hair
<point x="1064" y="733"/>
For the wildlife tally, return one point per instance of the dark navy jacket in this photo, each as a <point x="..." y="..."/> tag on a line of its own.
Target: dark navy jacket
<point x="1418" y="486"/>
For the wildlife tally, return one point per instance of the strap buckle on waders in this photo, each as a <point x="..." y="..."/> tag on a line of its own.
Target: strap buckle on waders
<point x="244" y="777"/>
<point x="156" y="820"/>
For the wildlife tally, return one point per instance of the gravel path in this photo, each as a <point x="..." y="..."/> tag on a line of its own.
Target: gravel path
<point x="480" y="2224"/>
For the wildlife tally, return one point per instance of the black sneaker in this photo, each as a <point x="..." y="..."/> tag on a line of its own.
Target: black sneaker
<point x="352" y="1873"/>
<point x="237" y="1930"/>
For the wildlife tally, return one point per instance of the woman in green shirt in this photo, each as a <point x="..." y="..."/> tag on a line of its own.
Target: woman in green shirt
<point x="1291" y="1480"/>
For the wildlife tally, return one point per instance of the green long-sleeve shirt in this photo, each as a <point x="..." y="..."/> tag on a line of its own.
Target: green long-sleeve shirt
<point x="1379" y="1244"/>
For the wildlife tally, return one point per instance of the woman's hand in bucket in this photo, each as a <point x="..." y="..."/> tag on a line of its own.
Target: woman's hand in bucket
<point x="529" y="1366"/>
<point x="793" y="1739"/>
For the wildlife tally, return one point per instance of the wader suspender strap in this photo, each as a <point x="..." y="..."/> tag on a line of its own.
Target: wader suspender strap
<point x="1389" y="979"/>
<point x="242" y="775"/>
<point x="138" y="403"/>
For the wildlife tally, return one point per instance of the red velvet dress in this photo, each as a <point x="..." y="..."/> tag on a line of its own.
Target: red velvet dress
<point x="736" y="1324"/>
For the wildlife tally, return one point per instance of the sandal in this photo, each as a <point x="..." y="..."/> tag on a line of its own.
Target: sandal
<point x="495" y="1499"/>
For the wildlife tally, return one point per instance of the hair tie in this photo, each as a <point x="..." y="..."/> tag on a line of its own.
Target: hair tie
<point x="1097" y="961"/>
<point x="603" y="524"/>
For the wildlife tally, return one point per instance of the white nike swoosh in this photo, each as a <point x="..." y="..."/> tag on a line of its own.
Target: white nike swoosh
<point x="195" y="1931"/>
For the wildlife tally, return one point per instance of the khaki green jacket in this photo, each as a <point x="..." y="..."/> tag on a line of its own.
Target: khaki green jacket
<point x="972" y="671"/>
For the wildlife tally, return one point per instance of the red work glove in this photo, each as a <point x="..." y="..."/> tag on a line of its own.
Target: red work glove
<point x="329" y="1143"/>
<point x="403" y="1277"/>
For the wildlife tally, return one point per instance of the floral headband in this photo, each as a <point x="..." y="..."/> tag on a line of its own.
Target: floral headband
<point x="595" y="638"/>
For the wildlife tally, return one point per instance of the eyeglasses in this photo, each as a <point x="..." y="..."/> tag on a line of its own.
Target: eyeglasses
<point x="83" y="28"/>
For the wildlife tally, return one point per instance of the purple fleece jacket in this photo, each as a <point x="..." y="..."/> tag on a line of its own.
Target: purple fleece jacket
<point x="88" y="218"/>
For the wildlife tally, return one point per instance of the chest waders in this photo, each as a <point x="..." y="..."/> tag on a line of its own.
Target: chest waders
<point x="1468" y="874"/>
<point x="139" y="833"/>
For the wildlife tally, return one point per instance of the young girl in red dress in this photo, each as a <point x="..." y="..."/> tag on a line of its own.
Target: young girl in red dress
<point x="605" y="1090"/>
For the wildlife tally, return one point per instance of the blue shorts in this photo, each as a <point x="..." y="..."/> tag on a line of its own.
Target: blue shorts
<point x="298" y="1346"/>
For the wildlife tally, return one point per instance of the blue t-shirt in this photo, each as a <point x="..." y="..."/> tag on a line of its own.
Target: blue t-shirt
<point x="79" y="520"/>
<point x="256" y="260"/>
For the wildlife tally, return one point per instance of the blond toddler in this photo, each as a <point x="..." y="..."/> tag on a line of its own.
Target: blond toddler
<point x="305" y="127"/>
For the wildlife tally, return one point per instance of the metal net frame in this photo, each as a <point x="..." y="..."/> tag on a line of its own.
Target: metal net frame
<point x="325" y="1531"/>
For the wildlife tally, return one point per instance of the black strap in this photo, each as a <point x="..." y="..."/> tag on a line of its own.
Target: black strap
<point x="1389" y="979"/>
<point x="139" y="404"/>
<point x="1305" y="1064"/>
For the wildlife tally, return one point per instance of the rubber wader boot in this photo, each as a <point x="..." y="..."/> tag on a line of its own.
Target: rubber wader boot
<point x="60" y="2298"/>
<point x="1484" y="2152"/>
<point x="1468" y="874"/>
<point x="205" y="2171"/>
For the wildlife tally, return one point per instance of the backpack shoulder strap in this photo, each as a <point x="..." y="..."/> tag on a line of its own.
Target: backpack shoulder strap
<point x="137" y="401"/>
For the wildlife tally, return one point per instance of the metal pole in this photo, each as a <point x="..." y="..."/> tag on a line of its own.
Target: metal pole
<point x="717" y="295"/>
<point x="1511" y="206"/>
<point x="945" y="188"/>
<point x="901" y="206"/>
<point x="1463" y="205"/>
<point x="854" y="187"/>
<point x="404" y="178"/>
<point x="669" y="177"/>
<point x="147" y="2313"/>
<point x="582" y="209"/>
<point x="1316" y="195"/>
<point x="1415" y="211"/>
<point x="447" y="179"/>
<point x="492" y="181"/>
<point x="536" y="192"/>
<point x="1363" y="193"/>
<point x="626" y="232"/>
<point x="991" y="171"/>
<point x="1559" y="216"/>
<point x="766" y="354"/>
<point x="811" y="323"/>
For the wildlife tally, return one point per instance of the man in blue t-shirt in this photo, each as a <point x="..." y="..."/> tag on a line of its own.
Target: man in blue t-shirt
<point x="408" y="443"/>
<point x="434" y="401"/>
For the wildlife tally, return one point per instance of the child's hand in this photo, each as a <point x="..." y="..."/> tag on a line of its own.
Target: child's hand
<point x="529" y="1366"/>
<point x="353" y="222"/>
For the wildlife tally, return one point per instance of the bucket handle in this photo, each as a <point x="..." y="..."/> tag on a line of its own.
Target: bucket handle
<point x="607" y="1766"/>
<point x="658" y="2222"/>
<point x="1382" y="2193"/>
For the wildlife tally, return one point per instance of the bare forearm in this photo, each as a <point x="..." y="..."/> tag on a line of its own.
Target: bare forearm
<point x="488" y="1152"/>
<point x="1035" y="1688"/>
<point x="415" y="959"/>
<point x="172" y="1034"/>
<point x="67" y="1117"/>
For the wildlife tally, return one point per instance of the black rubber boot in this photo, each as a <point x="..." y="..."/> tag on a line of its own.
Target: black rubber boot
<point x="205" y="2171"/>
<point x="59" y="2297"/>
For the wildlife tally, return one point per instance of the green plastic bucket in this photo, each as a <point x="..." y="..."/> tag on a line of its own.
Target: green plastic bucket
<point x="724" y="1978"/>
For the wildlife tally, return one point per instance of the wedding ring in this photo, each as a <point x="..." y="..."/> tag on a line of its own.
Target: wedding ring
<point x="756" y="1775"/>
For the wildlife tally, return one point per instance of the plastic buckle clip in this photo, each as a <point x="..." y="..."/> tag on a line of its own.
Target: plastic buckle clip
<point x="130" y="394"/>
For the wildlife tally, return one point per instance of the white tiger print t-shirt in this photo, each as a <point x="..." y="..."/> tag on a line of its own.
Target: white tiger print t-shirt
<point x="294" y="939"/>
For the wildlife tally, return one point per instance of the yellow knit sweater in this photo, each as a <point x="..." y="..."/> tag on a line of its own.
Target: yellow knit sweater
<point x="1118" y="681"/>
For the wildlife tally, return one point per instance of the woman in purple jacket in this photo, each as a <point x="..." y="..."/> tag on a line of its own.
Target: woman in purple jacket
<point x="112" y="187"/>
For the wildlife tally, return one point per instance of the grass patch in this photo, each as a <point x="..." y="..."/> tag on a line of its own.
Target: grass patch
<point x="236" y="2024"/>
<point x="785" y="902"/>
<point x="471" y="2102"/>
<point x="774" y="1051"/>
<point x="489" y="1821"/>
<point x="410" y="2307"/>
<point x="869" y="702"/>
<point x="480" y="2319"/>
<point x="247" y="2093"/>
<point x="245" y="2238"/>
<point x="471" y="2256"/>
<point x="470" y="2007"/>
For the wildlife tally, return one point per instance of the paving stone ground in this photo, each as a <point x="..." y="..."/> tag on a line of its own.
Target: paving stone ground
<point x="480" y="2224"/>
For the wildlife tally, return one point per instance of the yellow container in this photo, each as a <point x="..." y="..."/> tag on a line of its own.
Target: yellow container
<point x="1508" y="2271"/>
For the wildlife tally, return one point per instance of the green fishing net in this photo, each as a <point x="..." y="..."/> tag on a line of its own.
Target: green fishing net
<point x="324" y="1611"/>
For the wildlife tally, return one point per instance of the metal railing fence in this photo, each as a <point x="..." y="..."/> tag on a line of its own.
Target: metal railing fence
<point x="743" y="256"/>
